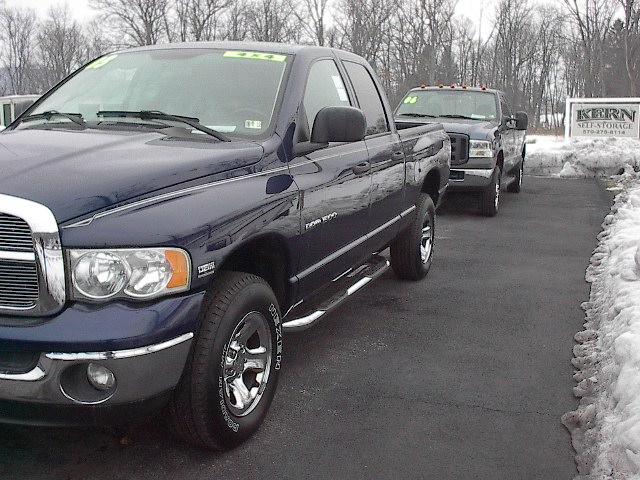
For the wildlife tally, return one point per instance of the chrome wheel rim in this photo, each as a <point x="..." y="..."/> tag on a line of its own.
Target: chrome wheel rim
<point x="426" y="241"/>
<point x="247" y="362"/>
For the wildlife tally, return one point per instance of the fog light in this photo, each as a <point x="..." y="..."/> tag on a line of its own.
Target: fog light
<point x="100" y="377"/>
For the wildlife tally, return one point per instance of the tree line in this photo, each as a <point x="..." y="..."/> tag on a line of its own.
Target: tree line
<point x="538" y="53"/>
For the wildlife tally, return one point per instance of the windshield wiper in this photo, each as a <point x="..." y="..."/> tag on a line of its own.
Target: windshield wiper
<point x="49" y="114"/>
<point x="157" y="115"/>
<point x="418" y="115"/>
<point x="459" y="116"/>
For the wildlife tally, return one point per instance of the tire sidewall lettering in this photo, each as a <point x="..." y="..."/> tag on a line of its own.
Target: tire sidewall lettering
<point x="231" y="424"/>
<point x="226" y="415"/>
<point x="273" y="310"/>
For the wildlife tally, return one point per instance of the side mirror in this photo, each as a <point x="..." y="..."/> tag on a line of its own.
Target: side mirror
<point x="339" y="124"/>
<point x="522" y="121"/>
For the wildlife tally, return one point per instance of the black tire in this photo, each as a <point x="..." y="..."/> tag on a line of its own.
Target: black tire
<point x="516" y="185"/>
<point x="407" y="258"/>
<point x="490" y="198"/>
<point x="201" y="412"/>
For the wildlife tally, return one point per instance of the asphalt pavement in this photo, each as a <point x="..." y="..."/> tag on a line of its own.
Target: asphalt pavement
<point x="463" y="375"/>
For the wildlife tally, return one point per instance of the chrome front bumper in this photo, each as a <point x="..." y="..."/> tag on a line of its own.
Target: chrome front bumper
<point x="470" y="178"/>
<point x="140" y="373"/>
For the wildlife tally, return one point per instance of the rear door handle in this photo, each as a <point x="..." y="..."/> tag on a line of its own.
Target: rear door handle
<point x="361" y="168"/>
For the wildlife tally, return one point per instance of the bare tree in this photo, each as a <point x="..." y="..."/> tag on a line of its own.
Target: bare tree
<point x="142" y="22"/>
<point x="197" y="18"/>
<point x="592" y="19"/>
<point x="272" y="21"/>
<point x="235" y="24"/>
<point x="59" y="47"/>
<point x="96" y="41"/>
<point x="537" y="53"/>
<point x="631" y="34"/>
<point x="363" y="25"/>
<point x="423" y="41"/>
<point x="312" y="17"/>
<point x="17" y="34"/>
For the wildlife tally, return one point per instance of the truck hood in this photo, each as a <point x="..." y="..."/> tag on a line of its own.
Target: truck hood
<point x="76" y="173"/>
<point x="476" y="129"/>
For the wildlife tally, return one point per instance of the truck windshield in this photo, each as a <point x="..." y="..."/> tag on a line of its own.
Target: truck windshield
<point x="233" y="92"/>
<point x="449" y="103"/>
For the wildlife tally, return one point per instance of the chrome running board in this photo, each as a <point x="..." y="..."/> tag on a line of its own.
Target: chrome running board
<point x="308" y="313"/>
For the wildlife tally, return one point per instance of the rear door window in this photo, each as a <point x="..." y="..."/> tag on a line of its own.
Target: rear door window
<point x="504" y="106"/>
<point x="368" y="98"/>
<point x="325" y="88"/>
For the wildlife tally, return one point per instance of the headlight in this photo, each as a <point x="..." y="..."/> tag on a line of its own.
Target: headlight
<point x="480" y="149"/>
<point x="129" y="273"/>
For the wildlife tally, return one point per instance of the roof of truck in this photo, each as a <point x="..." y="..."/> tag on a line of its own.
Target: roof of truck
<point x="281" y="48"/>
<point x="455" y="87"/>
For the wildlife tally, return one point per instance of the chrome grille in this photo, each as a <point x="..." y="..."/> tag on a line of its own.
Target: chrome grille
<point x="459" y="148"/>
<point x="18" y="284"/>
<point x="32" y="280"/>
<point x="18" y="271"/>
<point x="15" y="234"/>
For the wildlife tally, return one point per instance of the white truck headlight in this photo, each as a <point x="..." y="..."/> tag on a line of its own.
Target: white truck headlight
<point x="138" y="273"/>
<point x="480" y="149"/>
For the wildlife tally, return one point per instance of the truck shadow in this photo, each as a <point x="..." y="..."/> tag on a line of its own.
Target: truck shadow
<point x="460" y="203"/>
<point x="81" y="453"/>
<point x="466" y="203"/>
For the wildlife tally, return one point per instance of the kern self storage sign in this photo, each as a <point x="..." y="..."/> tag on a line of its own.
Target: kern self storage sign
<point x="605" y="120"/>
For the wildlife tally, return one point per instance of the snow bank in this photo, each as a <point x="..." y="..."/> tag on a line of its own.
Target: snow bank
<point x="605" y="429"/>
<point x="581" y="157"/>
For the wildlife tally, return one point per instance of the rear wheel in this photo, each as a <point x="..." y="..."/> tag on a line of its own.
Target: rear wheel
<point x="232" y="372"/>
<point x="412" y="250"/>
<point x="490" y="198"/>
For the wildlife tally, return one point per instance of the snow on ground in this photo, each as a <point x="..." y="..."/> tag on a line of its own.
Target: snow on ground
<point x="580" y="157"/>
<point x="605" y="429"/>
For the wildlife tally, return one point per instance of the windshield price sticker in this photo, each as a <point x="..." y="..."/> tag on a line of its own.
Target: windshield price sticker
<point x="411" y="100"/>
<point x="101" y="62"/>
<point x="255" y="56"/>
<point x="605" y="120"/>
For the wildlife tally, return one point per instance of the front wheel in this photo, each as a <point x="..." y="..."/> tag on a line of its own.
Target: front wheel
<point x="490" y="199"/>
<point x="412" y="250"/>
<point x="232" y="372"/>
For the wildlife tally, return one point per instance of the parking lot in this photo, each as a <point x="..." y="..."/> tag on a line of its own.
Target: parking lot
<point x="463" y="375"/>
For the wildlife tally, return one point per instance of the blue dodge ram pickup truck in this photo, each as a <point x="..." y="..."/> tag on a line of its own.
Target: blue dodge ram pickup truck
<point x="168" y="212"/>
<point x="487" y="140"/>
